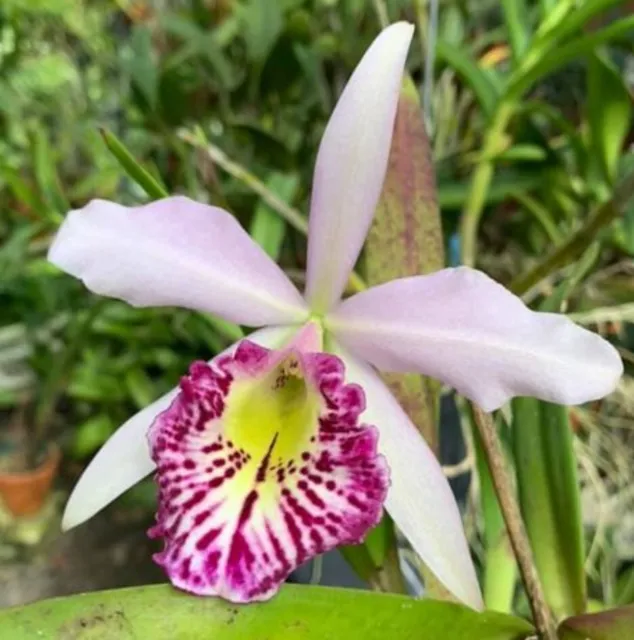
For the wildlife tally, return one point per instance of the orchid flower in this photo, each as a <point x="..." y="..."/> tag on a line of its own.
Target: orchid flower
<point x="289" y="443"/>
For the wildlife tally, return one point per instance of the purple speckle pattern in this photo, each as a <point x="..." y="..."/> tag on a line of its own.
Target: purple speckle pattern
<point x="235" y="527"/>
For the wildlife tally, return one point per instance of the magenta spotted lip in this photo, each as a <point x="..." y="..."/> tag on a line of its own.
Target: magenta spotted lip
<point x="236" y="521"/>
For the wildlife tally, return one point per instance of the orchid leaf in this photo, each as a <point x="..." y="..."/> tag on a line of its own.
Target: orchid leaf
<point x="516" y="18"/>
<point x="614" y="624"/>
<point x="141" y="176"/>
<point x="268" y="227"/>
<point x="484" y="84"/>
<point x="299" y="612"/>
<point x="549" y="499"/>
<point x="406" y="238"/>
<point x="609" y="114"/>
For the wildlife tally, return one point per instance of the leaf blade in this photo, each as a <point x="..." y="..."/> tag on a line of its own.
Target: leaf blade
<point x="303" y="613"/>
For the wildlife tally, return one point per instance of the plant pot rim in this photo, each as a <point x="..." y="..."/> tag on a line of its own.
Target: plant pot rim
<point x="47" y="467"/>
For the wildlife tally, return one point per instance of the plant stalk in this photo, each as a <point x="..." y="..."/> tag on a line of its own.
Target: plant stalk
<point x="514" y="524"/>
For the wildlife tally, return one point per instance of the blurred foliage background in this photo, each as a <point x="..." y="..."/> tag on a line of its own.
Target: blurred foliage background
<point x="530" y="115"/>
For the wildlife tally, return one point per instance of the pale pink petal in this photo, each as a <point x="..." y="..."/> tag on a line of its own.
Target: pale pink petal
<point x="465" y="329"/>
<point x="176" y="252"/>
<point x="262" y="464"/>
<point x="351" y="166"/>
<point x="125" y="458"/>
<point x="419" y="498"/>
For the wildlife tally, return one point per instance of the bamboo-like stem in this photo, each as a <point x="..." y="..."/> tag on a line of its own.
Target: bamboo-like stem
<point x="514" y="524"/>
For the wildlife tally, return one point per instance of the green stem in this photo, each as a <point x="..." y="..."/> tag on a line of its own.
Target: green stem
<point x="481" y="181"/>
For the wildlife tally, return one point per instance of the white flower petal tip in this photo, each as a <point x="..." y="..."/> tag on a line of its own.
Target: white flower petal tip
<point x="351" y="165"/>
<point x="176" y="252"/>
<point x="462" y="327"/>
<point x="125" y="458"/>
<point x="122" y="462"/>
<point x="419" y="499"/>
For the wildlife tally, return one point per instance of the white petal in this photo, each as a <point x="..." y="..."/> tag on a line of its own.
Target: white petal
<point x="125" y="459"/>
<point x="176" y="252"/>
<point x="351" y="165"/>
<point x="419" y="499"/>
<point x="462" y="327"/>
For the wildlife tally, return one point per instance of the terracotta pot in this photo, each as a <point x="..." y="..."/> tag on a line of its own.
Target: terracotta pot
<point x="24" y="492"/>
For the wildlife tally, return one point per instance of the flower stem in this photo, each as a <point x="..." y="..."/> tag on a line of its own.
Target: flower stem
<point x="514" y="524"/>
<point x="481" y="181"/>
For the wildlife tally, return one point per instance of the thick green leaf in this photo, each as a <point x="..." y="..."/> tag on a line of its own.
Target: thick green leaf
<point x="609" y="114"/>
<point x="615" y="624"/>
<point x="549" y="499"/>
<point x="127" y="161"/>
<point x="267" y="226"/>
<point x="301" y="613"/>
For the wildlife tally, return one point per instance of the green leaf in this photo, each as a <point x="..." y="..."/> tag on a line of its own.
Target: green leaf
<point x="229" y="330"/>
<point x="609" y="114"/>
<point x="615" y="624"/>
<point x="139" y="387"/>
<point x="527" y="75"/>
<point x="45" y="168"/>
<point x="141" y="176"/>
<point x="575" y="245"/>
<point x="484" y="84"/>
<point x="624" y="588"/>
<point x="517" y="22"/>
<point x="298" y="612"/>
<point x="267" y="226"/>
<point x="376" y="560"/>
<point x="91" y="434"/>
<point x="567" y="17"/>
<point x="142" y="64"/>
<point x="263" y="22"/>
<point x="549" y="499"/>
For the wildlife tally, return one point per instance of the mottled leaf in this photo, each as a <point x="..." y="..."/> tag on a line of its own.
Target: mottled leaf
<point x="301" y="613"/>
<point x="406" y="238"/>
<point x="549" y="498"/>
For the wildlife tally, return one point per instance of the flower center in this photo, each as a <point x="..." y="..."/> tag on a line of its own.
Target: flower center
<point x="273" y="420"/>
